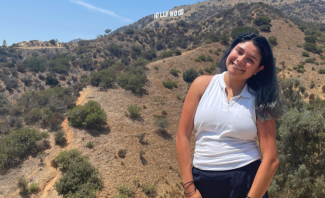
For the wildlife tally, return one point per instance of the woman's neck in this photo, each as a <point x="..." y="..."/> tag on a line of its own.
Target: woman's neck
<point x="234" y="86"/>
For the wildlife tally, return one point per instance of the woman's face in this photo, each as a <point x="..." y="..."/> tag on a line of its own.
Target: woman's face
<point x="243" y="61"/>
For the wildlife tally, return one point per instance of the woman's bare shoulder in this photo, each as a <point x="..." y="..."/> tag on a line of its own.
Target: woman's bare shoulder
<point x="201" y="83"/>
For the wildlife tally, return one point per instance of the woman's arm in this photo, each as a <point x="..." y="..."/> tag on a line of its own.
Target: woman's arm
<point x="185" y="128"/>
<point x="267" y="169"/>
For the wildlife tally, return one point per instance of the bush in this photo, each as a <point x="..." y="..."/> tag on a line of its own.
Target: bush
<point x="121" y="153"/>
<point x="124" y="192"/>
<point x="262" y="20"/>
<point x="323" y="88"/>
<point x="134" y="111"/>
<point x="34" y="64"/>
<point x="107" y="63"/>
<point x="242" y="30"/>
<point x="265" y="28"/>
<point x="135" y="52"/>
<point x="18" y="145"/>
<point x="162" y="123"/>
<point x="299" y="45"/>
<point x="300" y="66"/>
<point x="216" y="52"/>
<point x="59" y="138"/>
<point x="129" y="31"/>
<point x="149" y="189"/>
<point x="33" y="188"/>
<point x="322" y="57"/>
<point x="201" y="71"/>
<point x="133" y="80"/>
<point x="51" y="80"/>
<point x="321" y="71"/>
<point x="208" y="70"/>
<point x="208" y="41"/>
<point x="190" y="75"/>
<point x="60" y="65"/>
<point x="159" y="45"/>
<point x="104" y="78"/>
<point x="80" y="178"/>
<point x="311" y="47"/>
<point x="167" y="54"/>
<point x="209" y="58"/>
<point x="311" y="39"/>
<point x="90" y="116"/>
<point x="312" y="85"/>
<point x="310" y="60"/>
<point x="84" y="78"/>
<point x="90" y="145"/>
<point x="224" y="40"/>
<point x="272" y="40"/>
<point x="23" y="186"/>
<point x="115" y="50"/>
<point x="174" y="72"/>
<point x="178" y="52"/>
<point x="202" y="57"/>
<point x="305" y="53"/>
<point x="86" y="63"/>
<point x="168" y="85"/>
<point x="302" y="89"/>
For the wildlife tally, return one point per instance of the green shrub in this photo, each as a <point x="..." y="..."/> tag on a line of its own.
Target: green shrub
<point x="300" y="65"/>
<point x="133" y="80"/>
<point x="319" y="50"/>
<point x="322" y="57"/>
<point x="168" y="85"/>
<point x="197" y="60"/>
<point x="242" y="30"/>
<point x="311" y="47"/>
<point x="80" y="178"/>
<point x="178" y="52"/>
<point x="104" y="78"/>
<point x="107" y="63"/>
<point x="272" y="40"/>
<point x="311" y="39"/>
<point x="264" y="28"/>
<point x="159" y="45"/>
<point x="90" y="145"/>
<point x="124" y="191"/>
<point x="134" y="111"/>
<point x="302" y="89"/>
<point x="156" y="67"/>
<point x="210" y="50"/>
<point x="90" y="115"/>
<point x="219" y="49"/>
<point x="299" y="45"/>
<point x="84" y="78"/>
<point x="19" y="144"/>
<point x="312" y="85"/>
<point x="310" y="60"/>
<point x="162" y="123"/>
<point x="149" y="189"/>
<point x="166" y="54"/>
<point x="163" y="112"/>
<point x="202" y="57"/>
<point x="305" y="53"/>
<point x="321" y="71"/>
<point x="136" y="51"/>
<point x="209" y="58"/>
<point x="51" y="80"/>
<point x="174" y="84"/>
<point x="33" y="188"/>
<point x="216" y="52"/>
<point x="208" y="70"/>
<point x="208" y="41"/>
<point x="190" y="75"/>
<point x="174" y="72"/>
<point x="201" y="71"/>
<point x="60" y="65"/>
<point x="35" y="64"/>
<point x="115" y="50"/>
<point x="224" y="39"/>
<point x="262" y="20"/>
<point x="129" y="31"/>
<point x="3" y="100"/>
<point x="59" y="138"/>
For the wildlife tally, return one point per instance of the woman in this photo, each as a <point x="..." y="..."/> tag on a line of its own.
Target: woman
<point x="229" y="111"/>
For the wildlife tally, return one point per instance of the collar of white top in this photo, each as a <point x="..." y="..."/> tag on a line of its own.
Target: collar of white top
<point x="244" y="93"/>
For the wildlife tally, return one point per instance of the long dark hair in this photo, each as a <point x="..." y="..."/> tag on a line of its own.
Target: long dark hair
<point x="264" y="85"/>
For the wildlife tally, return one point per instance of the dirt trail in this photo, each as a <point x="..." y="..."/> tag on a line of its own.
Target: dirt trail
<point x="46" y="183"/>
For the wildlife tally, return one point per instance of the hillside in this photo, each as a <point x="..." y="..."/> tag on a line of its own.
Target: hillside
<point x="151" y="160"/>
<point x="307" y="10"/>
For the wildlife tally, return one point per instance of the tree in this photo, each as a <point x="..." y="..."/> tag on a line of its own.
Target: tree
<point x="108" y="31"/>
<point x="4" y="43"/>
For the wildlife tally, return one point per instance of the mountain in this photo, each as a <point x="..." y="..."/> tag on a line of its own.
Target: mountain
<point x="307" y="10"/>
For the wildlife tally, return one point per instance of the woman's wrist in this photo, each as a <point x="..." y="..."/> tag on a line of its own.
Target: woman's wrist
<point x="189" y="188"/>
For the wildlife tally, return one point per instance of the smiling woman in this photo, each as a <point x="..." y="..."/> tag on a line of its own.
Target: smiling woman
<point x="228" y="112"/>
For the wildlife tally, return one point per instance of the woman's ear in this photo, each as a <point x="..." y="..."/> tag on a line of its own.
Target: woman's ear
<point x="259" y="69"/>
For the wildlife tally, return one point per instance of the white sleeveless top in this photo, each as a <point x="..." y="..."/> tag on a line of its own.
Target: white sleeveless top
<point x="225" y="132"/>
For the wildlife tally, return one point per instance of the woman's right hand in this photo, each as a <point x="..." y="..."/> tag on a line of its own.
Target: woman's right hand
<point x="197" y="194"/>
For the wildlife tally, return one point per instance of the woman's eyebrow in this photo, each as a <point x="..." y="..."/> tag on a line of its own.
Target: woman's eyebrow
<point x="249" y="54"/>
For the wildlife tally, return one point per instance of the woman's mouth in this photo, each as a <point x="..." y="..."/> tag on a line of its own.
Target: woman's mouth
<point x="236" y="66"/>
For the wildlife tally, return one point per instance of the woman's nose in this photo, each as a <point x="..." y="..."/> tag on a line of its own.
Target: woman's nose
<point x="240" y="59"/>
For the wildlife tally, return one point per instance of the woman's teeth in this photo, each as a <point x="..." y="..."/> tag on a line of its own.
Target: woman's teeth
<point x="237" y="66"/>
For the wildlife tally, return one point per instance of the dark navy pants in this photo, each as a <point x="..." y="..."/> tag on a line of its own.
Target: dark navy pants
<point x="234" y="183"/>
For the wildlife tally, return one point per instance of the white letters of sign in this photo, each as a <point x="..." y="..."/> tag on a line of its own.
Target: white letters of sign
<point x="171" y="14"/>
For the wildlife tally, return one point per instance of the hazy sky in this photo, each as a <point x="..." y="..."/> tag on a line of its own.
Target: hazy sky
<point x="65" y="20"/>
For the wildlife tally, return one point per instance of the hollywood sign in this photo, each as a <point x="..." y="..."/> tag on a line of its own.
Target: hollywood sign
<point x="168" y="13"/>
